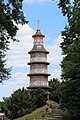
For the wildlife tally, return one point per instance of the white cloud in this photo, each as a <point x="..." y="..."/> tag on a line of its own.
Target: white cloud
<point x="21" y="78"/>
<point x="6" y="89"/>
<point x="18" y="80"/>
<point x="55" y="51"/>
<point x="55" y="74"/>
<point x="55" y="57"/>
<point x="18" y="53"/>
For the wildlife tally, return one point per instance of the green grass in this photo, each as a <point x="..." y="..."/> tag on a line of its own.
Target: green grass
<point x="35" y="114"/>
<point x="40" y="113"/>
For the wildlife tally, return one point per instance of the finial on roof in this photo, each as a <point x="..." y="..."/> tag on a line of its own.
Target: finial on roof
<point x="38" y="24"/>
<point x="38" y="31"/>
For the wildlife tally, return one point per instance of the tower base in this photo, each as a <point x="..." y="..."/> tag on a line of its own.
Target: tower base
<point x="36" y="87"/>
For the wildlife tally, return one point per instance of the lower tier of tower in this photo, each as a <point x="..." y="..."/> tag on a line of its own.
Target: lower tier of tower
<point x="39" y="81"/>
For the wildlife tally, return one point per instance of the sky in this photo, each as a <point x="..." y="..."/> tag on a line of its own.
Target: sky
<point x="52" y="22"/>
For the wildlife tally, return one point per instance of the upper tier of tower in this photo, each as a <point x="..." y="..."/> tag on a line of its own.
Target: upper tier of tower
<point x="38" y="41"/>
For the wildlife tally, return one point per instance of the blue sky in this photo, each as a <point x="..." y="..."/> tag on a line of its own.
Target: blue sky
<point x="51" y="24"/>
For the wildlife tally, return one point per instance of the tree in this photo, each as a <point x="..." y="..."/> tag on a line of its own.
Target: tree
<point x="4" y="72"/>
<point x="39" y="98"/>
<point x="23" y="102"/>
<point x="17" y="104"/>
<point x="55" y="89"/>
<point x="10" y="13"/>
<point x="71" y="62"/>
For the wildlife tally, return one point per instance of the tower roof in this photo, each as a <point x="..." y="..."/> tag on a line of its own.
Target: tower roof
<point x="38" y="49"/>
<point x="38" y="31"/>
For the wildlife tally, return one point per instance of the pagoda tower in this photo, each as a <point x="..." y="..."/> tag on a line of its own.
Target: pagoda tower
<point x="38" y="62"/>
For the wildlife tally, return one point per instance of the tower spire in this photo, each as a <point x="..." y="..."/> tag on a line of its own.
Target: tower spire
<point x="38" y="24"/>
<point x="38" y="31"/>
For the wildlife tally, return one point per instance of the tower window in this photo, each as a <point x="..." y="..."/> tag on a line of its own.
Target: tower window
<point x="32" y="78"/>
<point x="32" y="55"/>
<point x="44" y="55"/>
<point x="45" y="77"/>
<point x="45" y="67"/>
<point x="38" y="55"/>
<point x="32" y="67"/>
<point x="35" y="40"/>
<point x="39" y="66"/>
<point x="38" y="40"/>
<point x="39" y="77"/>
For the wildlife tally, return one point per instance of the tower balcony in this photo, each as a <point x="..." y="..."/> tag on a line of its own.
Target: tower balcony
<point x="38" y="70"/>
<point x="39" y="83"/>
<point x="38" y="59"/>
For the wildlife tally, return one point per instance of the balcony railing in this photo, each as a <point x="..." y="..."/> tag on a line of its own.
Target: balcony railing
<point x="38" y="59"/>
<point x="39" y="83"/>
<point x="38" y="70"/>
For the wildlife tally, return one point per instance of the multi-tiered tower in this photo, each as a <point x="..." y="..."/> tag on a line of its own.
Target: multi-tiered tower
<point x="38" y="62"/>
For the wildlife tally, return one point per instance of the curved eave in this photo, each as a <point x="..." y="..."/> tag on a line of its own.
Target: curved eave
<point x="41" y="35"/>
<point x="38" y="63"/>
<point x="42" y="87"/>
<point x="38" y="33"/>
<point x="39" y="74"/>
<point x="33" y="51"/>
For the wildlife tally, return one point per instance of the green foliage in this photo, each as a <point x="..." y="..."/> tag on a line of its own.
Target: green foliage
<point x="70" y="96"/>
<point x="10" y="13"/>
<point x="17" y="105"/>
<point x="71" y="62"/>
<point x="70" y="99"/>
<point x="4" y="72"/>
<point x="39" y="97"/>
<point x="23" y="102"/>
<point x="11" y="10"/>
<point x="63" y="5"/>
<point x="55" y="89"/>
<point x="72" y="31"/>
